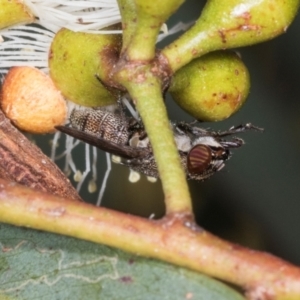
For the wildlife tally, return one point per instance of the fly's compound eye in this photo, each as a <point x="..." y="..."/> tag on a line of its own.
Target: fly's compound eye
<point x="198" y="159"/>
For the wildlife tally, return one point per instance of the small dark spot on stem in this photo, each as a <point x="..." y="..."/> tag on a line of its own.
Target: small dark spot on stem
<point x="126" y="279"/>
<point x="65" y="55"/>
<point x="131" y="261"/>
<point x="194" y="52"/>
<point x="223" y="36"/>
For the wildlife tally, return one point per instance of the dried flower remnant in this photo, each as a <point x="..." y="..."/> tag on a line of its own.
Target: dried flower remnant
<point x="31" y="101"/>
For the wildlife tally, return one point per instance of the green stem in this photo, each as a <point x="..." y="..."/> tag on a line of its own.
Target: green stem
<point x="191" y="45"/>
<point x="142" y="46"/>
<point x="141" y="79"/>
<point x="226" y="24"/>
<point x="150" y="104"/>
<point x="143" y="24"/>
<point x="129" y="16"/>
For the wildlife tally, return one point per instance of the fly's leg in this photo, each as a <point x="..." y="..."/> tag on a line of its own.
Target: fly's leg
<point x="237" y="129"/>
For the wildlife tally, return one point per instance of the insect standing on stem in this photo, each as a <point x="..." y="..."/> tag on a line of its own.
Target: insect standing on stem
<point x="202" y="152"/>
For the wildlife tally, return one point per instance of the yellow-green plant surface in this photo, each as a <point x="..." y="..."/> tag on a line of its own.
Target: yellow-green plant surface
<point x="212" y="87"/>
<point x="14" y="12"/>
<point x="75" y="61"/>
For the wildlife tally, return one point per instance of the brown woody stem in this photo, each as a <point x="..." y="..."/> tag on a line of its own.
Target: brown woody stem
<point x="23" y="162"/>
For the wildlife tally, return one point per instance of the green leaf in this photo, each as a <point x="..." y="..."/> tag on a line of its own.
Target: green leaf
<point x="40" y="265"/>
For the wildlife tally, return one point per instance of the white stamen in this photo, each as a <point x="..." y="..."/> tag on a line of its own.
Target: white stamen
<point x="164" y="28"/>
<point x="151" y="179"/>
<point x="87" y="167"/>
<point x="134" y="176"/>
<point x="69" y="160"/>
<point x="92" y="186"/>
<point x="178" y="27"/>
<point x="104" y="182"/>
<point x="25" y="45"/>
<point x="75" y="15"/>
<point x="116" y="159"/>
<point x="54" y="144"/>
<point x="152" y="216"/>
<point x="130" y="108"/>
<point x="77" y="176"/>
<point x="94" y="164"/>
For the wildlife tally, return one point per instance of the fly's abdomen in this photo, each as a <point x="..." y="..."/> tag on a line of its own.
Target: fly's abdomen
<point x="103" y="124"/>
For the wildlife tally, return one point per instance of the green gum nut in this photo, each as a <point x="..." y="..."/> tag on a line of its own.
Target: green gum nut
<point x="75" y="61"/>
<point x="14" y="12"/>
<point x="212" y="87"/>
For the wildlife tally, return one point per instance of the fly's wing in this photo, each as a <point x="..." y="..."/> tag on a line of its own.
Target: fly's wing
<point x="107" y="146"/>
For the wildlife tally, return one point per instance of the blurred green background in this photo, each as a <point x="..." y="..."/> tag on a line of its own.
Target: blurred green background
<point x="255" y="199"/>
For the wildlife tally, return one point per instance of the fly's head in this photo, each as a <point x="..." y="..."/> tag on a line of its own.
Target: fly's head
<point x="204" y="152"/>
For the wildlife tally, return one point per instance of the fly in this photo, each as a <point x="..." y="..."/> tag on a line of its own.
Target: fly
<point x="202" y="152"/>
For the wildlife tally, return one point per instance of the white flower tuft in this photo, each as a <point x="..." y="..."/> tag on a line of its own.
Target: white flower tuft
<point x="75" y="15"/>
<point x="25" y="45"/>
